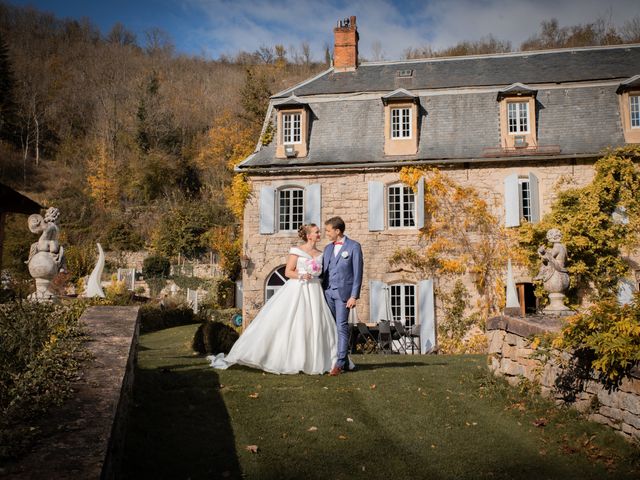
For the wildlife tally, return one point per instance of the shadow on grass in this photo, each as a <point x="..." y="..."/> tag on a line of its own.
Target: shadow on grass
<point x="179" y="427"/>
<point x="375" y="366"/>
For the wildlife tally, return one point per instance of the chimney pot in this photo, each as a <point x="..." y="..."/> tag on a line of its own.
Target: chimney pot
<point x="345" y="49"/>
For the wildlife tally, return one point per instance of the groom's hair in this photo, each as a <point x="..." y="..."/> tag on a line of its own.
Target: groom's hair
<point x="336" y="223"/>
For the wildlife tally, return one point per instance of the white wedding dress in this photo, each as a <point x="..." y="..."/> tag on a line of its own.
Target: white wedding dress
<point x="294" y="331"/>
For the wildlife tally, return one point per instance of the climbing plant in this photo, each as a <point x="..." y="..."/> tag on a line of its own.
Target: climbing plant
<point x="460" y="235"/>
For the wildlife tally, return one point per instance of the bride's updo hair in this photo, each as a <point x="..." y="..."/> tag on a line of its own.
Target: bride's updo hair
<point x="304" y="230"/>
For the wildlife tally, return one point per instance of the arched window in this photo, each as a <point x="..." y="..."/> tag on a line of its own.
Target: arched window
<point x="275" y="281"/>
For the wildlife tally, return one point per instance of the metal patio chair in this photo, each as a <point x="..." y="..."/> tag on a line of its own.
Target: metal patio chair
<point x="385" y="339"/>
<point x="411" y="338"/>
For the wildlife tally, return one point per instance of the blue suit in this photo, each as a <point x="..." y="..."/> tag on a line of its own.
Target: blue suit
<point x="342" y="279"/>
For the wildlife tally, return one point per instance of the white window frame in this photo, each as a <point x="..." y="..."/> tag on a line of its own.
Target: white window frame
<point x="290" y="206"/>
<point x="406" y="206"/>
<point x="634" y="111"/>
<point x="524" y="198"/>
<point x="517" y="115"/>
<point x="402" y="302"/>
<point x="292" y="128"/>
<point x="401" y="123"/>
<point x="270" y="290"/>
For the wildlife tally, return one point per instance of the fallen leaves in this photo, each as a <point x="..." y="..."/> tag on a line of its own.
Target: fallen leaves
<point x="540" y="422"/>
<point x="251" y="448"/>
<point x="350" y="420"/>
<point x="372" y="386"/>
<point x="254" y="395"/>
<point x="312" y="429"/>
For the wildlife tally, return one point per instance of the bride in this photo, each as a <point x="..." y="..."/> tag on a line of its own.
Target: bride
<point x="295" y="330"/>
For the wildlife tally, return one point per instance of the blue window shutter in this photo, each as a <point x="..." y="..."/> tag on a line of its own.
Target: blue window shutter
<point x="626" y="290"/>
<point x="511" y="201"/>
<point x="313" y="204"/>
<point x="535" y="198"/>
<point x="427" y="312"/>
<point x="420" y="204"/>
<point x="377" y="301"/>
<point x="376" y="206"/>
<point x="267" y="210"/>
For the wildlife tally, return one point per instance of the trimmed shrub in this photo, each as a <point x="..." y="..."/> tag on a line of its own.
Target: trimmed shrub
<point x="156" y="266"/>
<point x="214" y="337"/>
<point x="156" y="317"/>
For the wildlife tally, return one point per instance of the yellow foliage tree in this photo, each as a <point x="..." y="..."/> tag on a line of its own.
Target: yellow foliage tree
<point x="228" y="142"/>
<point x="103" y="187"/>
<point x="223" y="241"/>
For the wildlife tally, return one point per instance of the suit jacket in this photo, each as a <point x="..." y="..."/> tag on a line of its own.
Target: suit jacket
<point x="349" y="265"/>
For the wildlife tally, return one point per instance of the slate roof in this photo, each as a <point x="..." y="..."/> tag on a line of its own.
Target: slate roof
<point x="551" y="66"/>
<point x="456" y="126"/>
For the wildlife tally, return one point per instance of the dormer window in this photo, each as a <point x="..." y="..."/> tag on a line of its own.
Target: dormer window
<point x="400" y="122"/>
<point x="629" y="97"/>
<point x="293" y="125"/>
<point x="518" y="117"/>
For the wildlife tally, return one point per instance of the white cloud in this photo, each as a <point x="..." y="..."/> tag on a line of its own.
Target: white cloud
<point x="394" y="24"/>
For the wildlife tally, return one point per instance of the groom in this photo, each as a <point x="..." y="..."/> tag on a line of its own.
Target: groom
<point x="342" y="278"/>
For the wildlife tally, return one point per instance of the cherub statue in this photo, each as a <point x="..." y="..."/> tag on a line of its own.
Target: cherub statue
<point x="46" y="256"/>
<point x="48" y="241"/>
<point x="553" y="273"/>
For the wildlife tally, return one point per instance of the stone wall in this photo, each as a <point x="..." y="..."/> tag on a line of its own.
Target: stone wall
<point x="511" y="355"/>
<point x="346" y="194"/>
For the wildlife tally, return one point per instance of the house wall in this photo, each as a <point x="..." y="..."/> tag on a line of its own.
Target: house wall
<point x="346" y="194"/>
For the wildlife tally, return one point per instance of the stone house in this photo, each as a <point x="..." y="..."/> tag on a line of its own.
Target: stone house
<point x="509" y="125"/>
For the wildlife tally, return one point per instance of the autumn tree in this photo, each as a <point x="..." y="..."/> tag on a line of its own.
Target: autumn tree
<point x="101" y="180"/>
<point x="551" y="35"/>
<point x="120" y="35"/>
<point x="485" y="45"/>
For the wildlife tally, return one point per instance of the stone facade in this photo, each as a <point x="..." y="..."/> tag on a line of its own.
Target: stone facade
<point x="345" y="193"/>
<point x="511" y="355"/>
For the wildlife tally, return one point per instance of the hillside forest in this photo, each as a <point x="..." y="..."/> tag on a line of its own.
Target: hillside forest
<point x="135" y="143"/>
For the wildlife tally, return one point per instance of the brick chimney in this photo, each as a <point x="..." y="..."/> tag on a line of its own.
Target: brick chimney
<point x="345" y="49"/>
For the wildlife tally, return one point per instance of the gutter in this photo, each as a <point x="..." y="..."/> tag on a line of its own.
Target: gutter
<point x="372" y="166"/>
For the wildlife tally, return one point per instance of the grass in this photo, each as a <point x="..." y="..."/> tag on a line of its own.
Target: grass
<point x="398" y="417"/>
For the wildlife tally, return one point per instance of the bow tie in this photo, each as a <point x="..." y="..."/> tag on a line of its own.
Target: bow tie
<point x="338" y="243"/>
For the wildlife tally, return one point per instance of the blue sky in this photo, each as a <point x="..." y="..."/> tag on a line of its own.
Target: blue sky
<point x="214" y="27"/>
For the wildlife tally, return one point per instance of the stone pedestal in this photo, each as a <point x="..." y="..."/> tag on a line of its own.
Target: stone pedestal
<point x="556" y="306"/>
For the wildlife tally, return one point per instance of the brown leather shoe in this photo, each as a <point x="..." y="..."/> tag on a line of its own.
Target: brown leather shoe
<point x="335" y="371"/>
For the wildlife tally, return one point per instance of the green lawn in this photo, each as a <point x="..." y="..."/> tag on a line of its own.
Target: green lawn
<point x="397" y="417"/>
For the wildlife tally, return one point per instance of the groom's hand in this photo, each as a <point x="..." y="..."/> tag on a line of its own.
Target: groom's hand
<point x="351" y="302"/>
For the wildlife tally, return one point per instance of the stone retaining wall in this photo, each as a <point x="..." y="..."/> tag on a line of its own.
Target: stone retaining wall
<point x="511" y="355"/>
